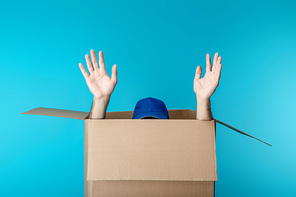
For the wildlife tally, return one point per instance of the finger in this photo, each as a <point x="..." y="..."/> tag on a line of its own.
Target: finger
<point x="101" y="61"/>
<point x="215" y="61"/>
<point x="83" y="71"/>
<point x="218" y="71"/>
<point x="208" y="62"/>
<point x="94" y="59"/>
<point x="198" y="72"/>
<point x="89" y="64"/>
<point x="114" y="73"/>
<point x="219" y="60"/>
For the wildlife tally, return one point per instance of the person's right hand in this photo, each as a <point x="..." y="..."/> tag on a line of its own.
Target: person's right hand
<point x="98" y="81"/>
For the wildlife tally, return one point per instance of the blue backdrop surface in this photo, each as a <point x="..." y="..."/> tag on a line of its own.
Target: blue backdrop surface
<point x="156" y="46"/>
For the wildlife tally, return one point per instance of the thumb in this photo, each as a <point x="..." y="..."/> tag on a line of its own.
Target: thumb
<point x="198" y="72"/>
<point x="114" y="73"/>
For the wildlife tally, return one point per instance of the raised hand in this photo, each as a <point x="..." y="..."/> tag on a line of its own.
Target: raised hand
<point x="98" y="81"/>
<point x="206" y="86"/>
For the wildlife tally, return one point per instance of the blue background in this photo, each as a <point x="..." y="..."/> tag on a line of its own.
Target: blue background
<point x="157" y="46"/>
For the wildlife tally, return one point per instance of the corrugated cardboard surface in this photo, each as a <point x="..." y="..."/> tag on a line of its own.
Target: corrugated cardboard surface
<point x="176" y="150"/>
<point x="151" y="189"/>
<point x="146" y="157"/>
<point x="58" y="113"/>
<point x="85" y="159"/>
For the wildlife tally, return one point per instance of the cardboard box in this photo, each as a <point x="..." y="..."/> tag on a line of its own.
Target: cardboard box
<point x="146" y="157"/>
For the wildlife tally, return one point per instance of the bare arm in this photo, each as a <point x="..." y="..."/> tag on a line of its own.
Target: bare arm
<point x="99" y="83"/>
<point x="203" y="110"/>
<point x="206" y="86"/>
<point x="98" y="108"/>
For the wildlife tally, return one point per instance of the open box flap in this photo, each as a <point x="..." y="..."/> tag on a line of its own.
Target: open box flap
<point x="58" y="113"/>
<point x="191" y="114"/>
<point x="241" y="132"/>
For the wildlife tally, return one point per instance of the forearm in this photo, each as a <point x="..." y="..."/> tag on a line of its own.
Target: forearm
<point x="203" y="109"/>
<point x="98" y="108"/>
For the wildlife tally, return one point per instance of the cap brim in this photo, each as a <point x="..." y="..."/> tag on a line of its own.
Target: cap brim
<point x="151" y="114"/>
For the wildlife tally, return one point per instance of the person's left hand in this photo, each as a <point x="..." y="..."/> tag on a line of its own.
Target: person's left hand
<point x="206" y="86"/>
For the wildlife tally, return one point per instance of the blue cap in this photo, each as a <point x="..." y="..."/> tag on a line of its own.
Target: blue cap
<point x="150" y="107"/>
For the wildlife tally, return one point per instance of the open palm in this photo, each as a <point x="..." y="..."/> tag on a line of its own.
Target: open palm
<point x="98" y="81"/>
<point x="206" y="86"/>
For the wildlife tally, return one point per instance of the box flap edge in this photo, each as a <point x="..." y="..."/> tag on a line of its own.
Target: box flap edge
<point x="57" y="113"/>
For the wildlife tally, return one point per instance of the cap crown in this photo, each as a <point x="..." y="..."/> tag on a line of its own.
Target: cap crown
<point x="150" y="107"/>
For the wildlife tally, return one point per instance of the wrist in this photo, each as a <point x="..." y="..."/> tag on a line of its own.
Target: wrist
<point x="203" y="108"/>
<point x="99" y="107"/>
<point x="202" y="101"/>
<point x="103" y="101"/>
